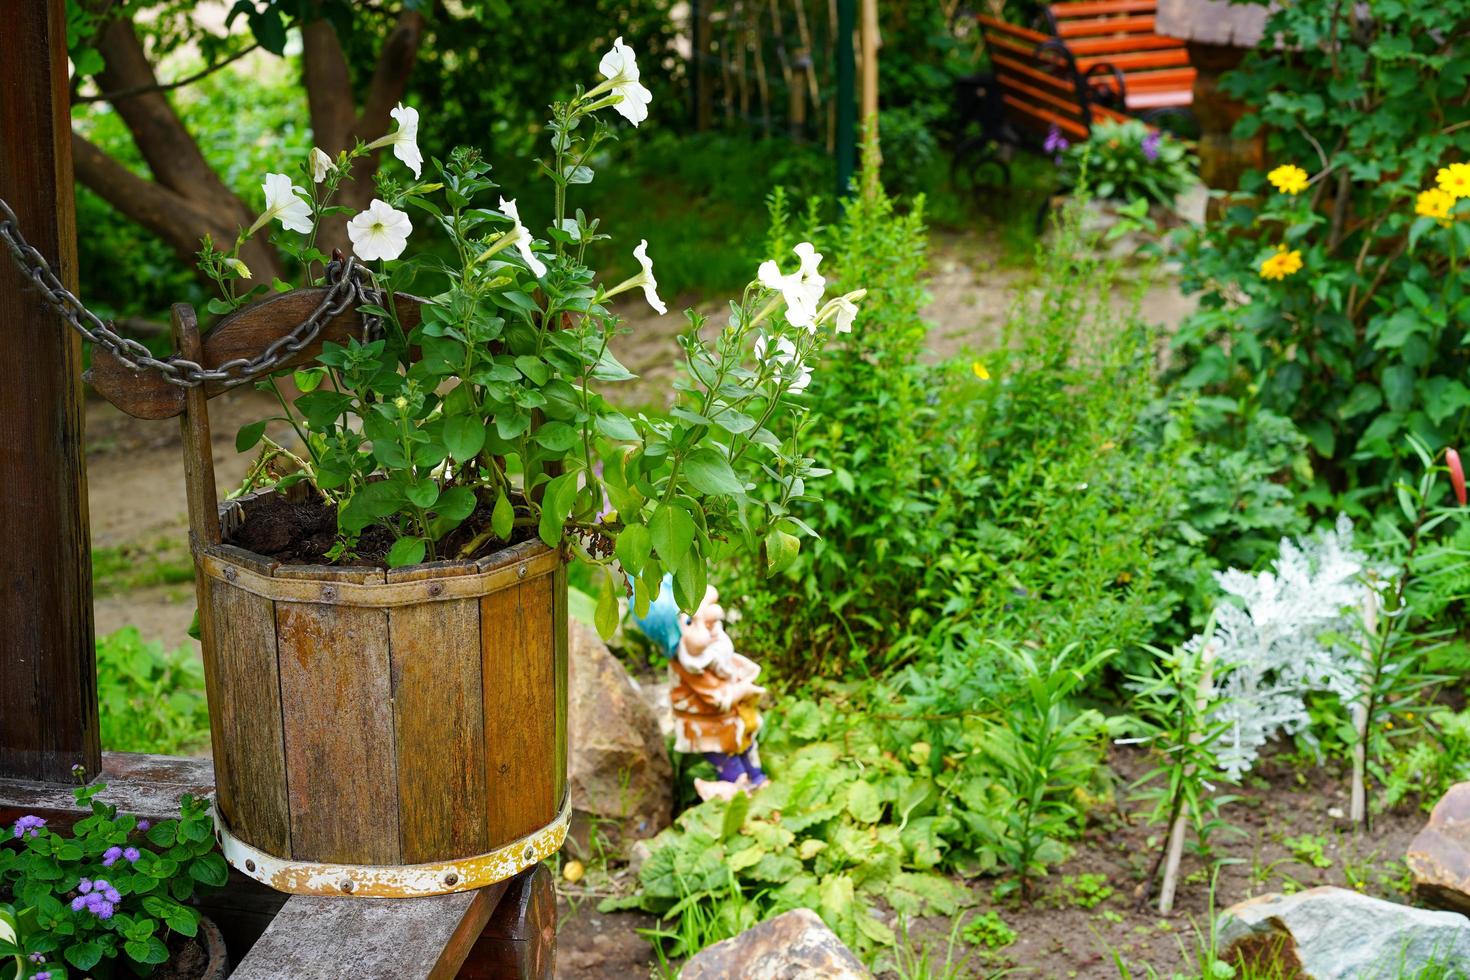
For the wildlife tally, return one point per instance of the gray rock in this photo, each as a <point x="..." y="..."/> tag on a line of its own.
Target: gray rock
<point x="617" y="766"/>
<point x="794" y="946"/>
<point x="1439" y="856"/>
<point x="1337" y="934"/>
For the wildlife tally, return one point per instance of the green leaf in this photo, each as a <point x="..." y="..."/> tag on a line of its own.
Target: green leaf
<point x="423" y="494"/>
<point x="456" y="503"/>
<point x="633" y="547"/>
<point x="407" y="551"/>
<point x="150" y="950"/>
<point x="735" y="812"/>
<point x="84" y="955"/>
<point x="781" y="550"/>
<point x="249" y="435"/>
<point x="671" y="530"/>
<point x="464" y="436"/>
<point x="557" y="436"/>
<point x="502" y="518"/>
<point x="210" y="870"/>
<point x="556" y="507"/>
<point x="606" y="617"/>
<point x="863" y="802"/>
<point x="709" y="472"/>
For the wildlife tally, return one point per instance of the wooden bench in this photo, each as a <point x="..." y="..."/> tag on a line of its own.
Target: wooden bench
<point x="1041" y="85"/>
<point x="1128" y="64"/>
<point x="507" y="930"/>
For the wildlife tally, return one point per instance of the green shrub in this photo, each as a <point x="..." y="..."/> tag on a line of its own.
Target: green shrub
<point x="151" y="699"/>
<point x="1332" y="298"/>
<point x="1124" y="161"/>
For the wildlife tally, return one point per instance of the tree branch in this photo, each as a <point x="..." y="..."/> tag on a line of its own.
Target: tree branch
<point x="164" y="86"/>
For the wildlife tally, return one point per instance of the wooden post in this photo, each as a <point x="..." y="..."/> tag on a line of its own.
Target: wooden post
<point x="873" y="157"/>
<point x="48" y="696"/>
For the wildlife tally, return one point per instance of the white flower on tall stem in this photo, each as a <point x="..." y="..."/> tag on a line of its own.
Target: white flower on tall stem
<point x="642" y="280"/>
<point x="520" y="237"/>
<point x="802" y="289"/>
<point x="321" y="165"/>
<point x="620" y="67"/>
<point x="380" y="232"/>
<point x="842" y="310"/>
<point x="789" y="367"/>
<point x="405" y="141"/>
<point x="283" y="202"/>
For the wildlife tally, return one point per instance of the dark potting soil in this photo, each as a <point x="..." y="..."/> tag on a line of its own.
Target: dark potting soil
<point x="188" y="962"/>
<point x="301" y="532"/>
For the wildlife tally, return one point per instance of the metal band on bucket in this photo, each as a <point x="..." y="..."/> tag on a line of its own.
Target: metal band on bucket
<point x="393" y="880"/>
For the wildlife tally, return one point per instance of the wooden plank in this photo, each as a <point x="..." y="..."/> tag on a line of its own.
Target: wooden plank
<point x="438" y="721"/>
<point x="1046" y="100"/>
<point x="243" y="684"/>
<point x="1138" y="60"/>
<point x="1105" y="25"/>
<point x="1006" y="65"/>
<point x="147" y="785"/>
<point x="520" y="940"/>
<point x="1006" y="29"/>
<point x="1101" y="8"/>
<point x="1169" y="78"/>
<point x="244" y="333"/>
<point x="1112" y="45"/>
<point x="369" y="939"/>
<point x="559" y="636"/>
<point x="520" y="727"/>
<point x="1162" y="99"/>
<point x="338" y="722"/>
<point x="1032" y="113"/>
<point x="48" y="695"/>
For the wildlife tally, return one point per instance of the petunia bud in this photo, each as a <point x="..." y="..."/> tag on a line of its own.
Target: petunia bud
<point x="1457" y="474"/>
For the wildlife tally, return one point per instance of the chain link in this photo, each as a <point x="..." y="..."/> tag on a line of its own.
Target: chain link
<point x="348" y="291"/>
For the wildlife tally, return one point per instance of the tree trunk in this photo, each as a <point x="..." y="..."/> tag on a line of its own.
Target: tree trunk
<point x="336" y="125"/>
<point x="186" y="199"/>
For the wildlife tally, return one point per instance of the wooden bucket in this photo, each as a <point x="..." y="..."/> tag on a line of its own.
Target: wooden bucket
<point x="377" y="733"/>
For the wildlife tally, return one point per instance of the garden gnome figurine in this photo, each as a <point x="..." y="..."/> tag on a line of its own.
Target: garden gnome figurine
<point x="715" y="699"/>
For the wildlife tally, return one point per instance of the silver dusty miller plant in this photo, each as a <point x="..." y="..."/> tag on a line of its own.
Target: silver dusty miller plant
<point x="1296" y="628"/>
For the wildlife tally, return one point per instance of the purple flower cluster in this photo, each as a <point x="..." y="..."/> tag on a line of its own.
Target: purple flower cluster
<point x="29" y="824"/>
<point x="38" y="958"/>
<point x="1151" y="145"/>
<point x="97" y="897"/>
<point x="112" y="854"/>
<point x="43" y="975"/>
<point x="143" y="826"/>
<point x="1055" y="144"/>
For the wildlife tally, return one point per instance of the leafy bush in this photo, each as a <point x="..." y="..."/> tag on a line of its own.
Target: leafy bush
<point x="1335" y="292"/>
<point x="151" y="699"/>
<point x="1018" y="497"/>
<point x="1124" y="161"/>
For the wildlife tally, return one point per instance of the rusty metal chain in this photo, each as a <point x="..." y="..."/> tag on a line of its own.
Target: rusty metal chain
<point x="348" y="291"/>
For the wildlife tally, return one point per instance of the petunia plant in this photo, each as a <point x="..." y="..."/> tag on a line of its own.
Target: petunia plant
<point x="488" y="422"/>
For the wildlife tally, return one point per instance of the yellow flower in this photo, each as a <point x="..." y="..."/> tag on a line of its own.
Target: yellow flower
<point x="1454" y="180"/>
<point x="1281" y="263"/>
<point x="980" y="371"/>
<point x="1435" y="203"/>
<point x="1288" y="178"/>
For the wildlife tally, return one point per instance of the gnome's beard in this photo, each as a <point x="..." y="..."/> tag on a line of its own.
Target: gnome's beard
<point x="718" y="657"/>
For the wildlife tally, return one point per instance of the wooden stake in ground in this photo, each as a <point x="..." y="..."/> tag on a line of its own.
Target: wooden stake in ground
<point x="1358" y="801"/>
<point x="869" y="109"/>
<point x="1181" y="820"/>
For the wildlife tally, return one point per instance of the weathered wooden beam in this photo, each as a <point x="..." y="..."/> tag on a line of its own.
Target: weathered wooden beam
<point x="48" y="696"/>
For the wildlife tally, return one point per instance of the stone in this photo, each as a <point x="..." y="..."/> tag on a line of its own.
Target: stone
<point x="617" y="763"/>
<point x="792" y="946"/>
<point x="1336" y="934"/>
<point x="1439" y="856"/>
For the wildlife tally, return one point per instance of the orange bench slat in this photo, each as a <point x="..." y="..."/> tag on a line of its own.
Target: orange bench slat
<point x="1069" y="126"/>
<point x="1101" y="8"/>
<point x="1105" y="25"/>
<point x="1136" y="62"/>
<point x="1084" y="46"/>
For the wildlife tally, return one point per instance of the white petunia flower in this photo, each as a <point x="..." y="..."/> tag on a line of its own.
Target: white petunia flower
<point x="802" y="289"/>
<point x="283" y="203"/>
<point x="405" y="141"/>
<point x="620" y="67"/>
<point x="380" y="232"/>
<point x="788" y="367"/>
<point x="649" y="284"/>
<point x="321" y="164"/>
<point x="520" y="237"/>
<point x="842" y="310"/>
